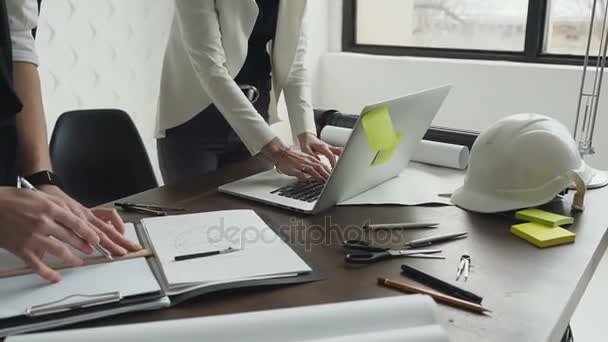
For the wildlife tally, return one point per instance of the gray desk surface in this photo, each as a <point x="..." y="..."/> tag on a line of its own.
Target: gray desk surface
<point x="532" y="292"/>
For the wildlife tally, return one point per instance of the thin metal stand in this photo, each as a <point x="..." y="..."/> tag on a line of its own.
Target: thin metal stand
<point x="589" y="99"/>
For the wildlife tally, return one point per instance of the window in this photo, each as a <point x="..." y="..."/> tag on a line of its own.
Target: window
<point x="453" y="24"/>
<point x="548" y="31"/>
<point x="568" y="26"/>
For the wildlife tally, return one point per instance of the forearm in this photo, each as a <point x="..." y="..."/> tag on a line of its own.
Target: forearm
<point x="31" y="123"/>
<point x="238" y="111"/>
<point x="298" y="88"/>
<point x="299" y="108"/>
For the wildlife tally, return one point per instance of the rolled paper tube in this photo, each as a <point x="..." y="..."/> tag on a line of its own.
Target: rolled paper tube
<point x="428" y="152"/>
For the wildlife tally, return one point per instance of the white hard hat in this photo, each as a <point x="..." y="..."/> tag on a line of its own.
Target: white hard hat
<point x="521" y="161"/>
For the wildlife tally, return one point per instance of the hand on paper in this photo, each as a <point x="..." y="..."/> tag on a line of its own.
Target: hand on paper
<point x="106" y="222"/>
<point x="32" y="224"/>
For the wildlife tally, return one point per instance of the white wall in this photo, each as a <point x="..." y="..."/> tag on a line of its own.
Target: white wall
<point x="103" y="54"/>
<point x="483" y="91"/>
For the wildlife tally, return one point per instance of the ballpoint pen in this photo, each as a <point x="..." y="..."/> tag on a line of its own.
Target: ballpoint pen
<point x="435" y="239"/>
<point x="144" y="210"/>
<point x="404" y="225"/>
<point x="27" y="185"/>
<point x="146" y="206"/>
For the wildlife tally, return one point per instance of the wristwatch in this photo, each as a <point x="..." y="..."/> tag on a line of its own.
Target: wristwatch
<point x="45" y="178"/>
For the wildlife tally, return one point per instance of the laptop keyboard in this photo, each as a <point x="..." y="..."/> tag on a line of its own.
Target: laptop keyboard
<point x="302" y="191"/>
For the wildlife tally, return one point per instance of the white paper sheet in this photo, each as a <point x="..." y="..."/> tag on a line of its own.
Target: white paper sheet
<point x="429" y="152"/>
<point x="262" y="254"/>
<point x="418" y="184"/>
<point x="431" y="333"/>
<point x="402" y="318"/>
<point x="129" y="277"/>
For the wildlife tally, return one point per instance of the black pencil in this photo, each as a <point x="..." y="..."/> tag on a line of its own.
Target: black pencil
<point x="438" y="297"/>
<point x="205" y="254"/>
<point x="439" y="285"/>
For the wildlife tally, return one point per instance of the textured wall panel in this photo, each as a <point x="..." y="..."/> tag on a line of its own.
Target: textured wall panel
<point x="104" y="54"/>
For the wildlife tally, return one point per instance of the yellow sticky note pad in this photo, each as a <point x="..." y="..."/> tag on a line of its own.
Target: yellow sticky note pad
<point x="543" y="236"/>
<point x="544" y="217"/>
<point x="387" y="154"/>
<point x="379" y="130"/>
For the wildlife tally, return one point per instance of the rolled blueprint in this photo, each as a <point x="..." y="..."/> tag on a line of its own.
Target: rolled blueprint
<point x="401" y="318"/>
<point x="442" y="154"/>
<point x="336" y="136"/>
<point x="428" y="152"/>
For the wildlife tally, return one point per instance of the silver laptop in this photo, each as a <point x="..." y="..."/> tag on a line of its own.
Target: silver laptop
<point x="354" y="173"/>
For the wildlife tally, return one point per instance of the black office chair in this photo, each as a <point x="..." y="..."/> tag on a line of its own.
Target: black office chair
<point x="99" y="156"/>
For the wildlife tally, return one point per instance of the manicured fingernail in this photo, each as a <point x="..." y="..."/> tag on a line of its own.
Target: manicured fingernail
<point x="89" y="250"/>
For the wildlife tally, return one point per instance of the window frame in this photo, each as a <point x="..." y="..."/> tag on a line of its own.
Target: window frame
<point x="533" y="47"/>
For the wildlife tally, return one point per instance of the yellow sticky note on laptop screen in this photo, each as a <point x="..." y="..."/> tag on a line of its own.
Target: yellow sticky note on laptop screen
<point x="379" y="129"/>
<point x="387" y="154"/>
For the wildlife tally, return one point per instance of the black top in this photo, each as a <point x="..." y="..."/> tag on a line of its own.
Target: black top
<point x="257" y="65"/>
<point x="9" y="105"/>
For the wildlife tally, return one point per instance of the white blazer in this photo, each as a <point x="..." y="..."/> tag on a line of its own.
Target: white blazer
<point x="22" y="18"/>
<point x="207" y="49"/>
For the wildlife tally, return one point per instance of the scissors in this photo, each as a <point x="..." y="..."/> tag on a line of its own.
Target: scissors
<point x="360" y="252"/>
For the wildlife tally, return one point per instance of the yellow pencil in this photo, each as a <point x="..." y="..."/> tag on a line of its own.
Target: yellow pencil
<point x="438" y="297"/>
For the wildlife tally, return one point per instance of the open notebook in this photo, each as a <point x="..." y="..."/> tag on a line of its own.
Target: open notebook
<point x="394" y="319"/>
<point x="260" y="252"/>
<point x="29" y="303"/>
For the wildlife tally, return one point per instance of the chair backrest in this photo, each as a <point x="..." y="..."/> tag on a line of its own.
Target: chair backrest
<point x="100" y="156"/>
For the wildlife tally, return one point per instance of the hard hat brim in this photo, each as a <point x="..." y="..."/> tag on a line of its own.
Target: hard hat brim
<point x="487" y="204"/>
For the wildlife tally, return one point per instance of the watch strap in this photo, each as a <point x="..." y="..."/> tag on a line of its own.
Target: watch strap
<point x="45" y="178"/>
